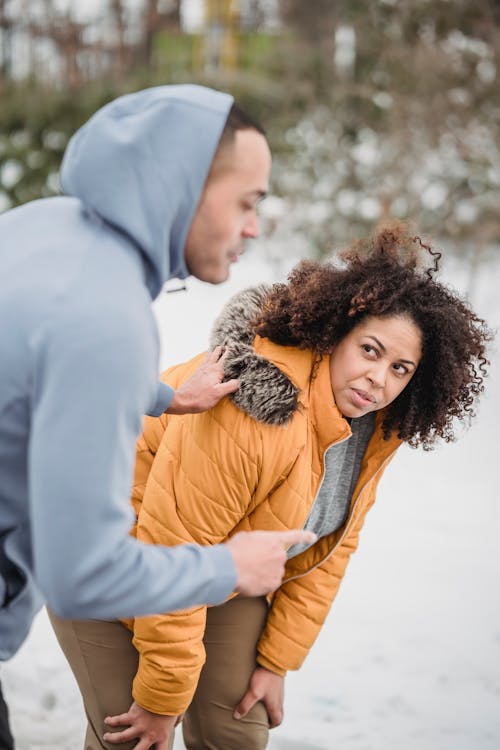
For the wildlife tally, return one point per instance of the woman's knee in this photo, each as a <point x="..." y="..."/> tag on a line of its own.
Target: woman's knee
<point x="218" y="730"/>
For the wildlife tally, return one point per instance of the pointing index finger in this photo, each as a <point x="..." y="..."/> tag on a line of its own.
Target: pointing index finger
<point x="297" y="536"/>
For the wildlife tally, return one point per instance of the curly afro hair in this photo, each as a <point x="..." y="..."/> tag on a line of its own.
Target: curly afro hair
<point x="322" y="303"/>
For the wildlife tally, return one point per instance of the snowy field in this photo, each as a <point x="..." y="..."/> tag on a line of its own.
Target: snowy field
<point x="410" y="655"/>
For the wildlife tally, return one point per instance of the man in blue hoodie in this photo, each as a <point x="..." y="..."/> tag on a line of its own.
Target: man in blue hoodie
<point x="157" y="184"/>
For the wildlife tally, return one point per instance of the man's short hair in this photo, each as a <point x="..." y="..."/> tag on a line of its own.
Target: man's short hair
<point x="237" y="119"/>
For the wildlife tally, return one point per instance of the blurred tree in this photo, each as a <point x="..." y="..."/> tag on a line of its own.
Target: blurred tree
<point x="412" y="131"/>
<point x="314" y="27"/>
<point x="66" y="35"/>
<point x="222" y="21"/>
<point x="5" y="40"/>
<point x="156" y="18"/>
<point x="373" y="110"/>
<point x="117" y="12"/>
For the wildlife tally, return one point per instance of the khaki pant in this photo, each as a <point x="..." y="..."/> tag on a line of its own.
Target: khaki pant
<point x="104" y="663"/>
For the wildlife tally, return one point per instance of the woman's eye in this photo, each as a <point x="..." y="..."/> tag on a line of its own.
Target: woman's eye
<point x="401" y="369"/>
<point x="369" y="349"/>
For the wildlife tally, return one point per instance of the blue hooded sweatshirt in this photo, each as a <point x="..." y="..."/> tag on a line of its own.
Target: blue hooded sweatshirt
<point x="79" y="362"/>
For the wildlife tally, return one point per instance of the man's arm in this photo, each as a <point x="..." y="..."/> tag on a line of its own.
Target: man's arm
<point x="90" y="392"/>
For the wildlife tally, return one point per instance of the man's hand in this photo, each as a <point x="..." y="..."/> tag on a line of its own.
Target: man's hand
<point x="267" y="687"/>
<point x="142" y="725"/>
<point x="204" y="389"/>
<point x="260" y="557"/>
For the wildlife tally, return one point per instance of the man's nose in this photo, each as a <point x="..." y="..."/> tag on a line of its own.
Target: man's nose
<point x="251" y="228"/>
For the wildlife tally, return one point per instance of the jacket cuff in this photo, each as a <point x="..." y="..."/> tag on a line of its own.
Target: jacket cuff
<point x="271" y="666"/>
<point x="164" y="396"/>
<point x="159" y="701"/>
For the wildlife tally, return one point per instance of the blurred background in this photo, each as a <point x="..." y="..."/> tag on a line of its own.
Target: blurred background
<point x="376" y="109"/>
<point x="388" y="108"/>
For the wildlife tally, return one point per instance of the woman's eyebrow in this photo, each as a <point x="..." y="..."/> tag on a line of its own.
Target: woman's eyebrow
<point x="379" y="343"/>
<point x="382" y="347"/>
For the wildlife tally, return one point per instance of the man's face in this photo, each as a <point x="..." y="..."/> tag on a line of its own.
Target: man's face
<point x="227" y="211"/>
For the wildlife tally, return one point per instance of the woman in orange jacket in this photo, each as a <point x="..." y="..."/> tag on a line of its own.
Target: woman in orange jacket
<point x="337" y="368"/>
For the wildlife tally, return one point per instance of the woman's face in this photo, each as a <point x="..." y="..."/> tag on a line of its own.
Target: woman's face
<point x="375" y="361"/>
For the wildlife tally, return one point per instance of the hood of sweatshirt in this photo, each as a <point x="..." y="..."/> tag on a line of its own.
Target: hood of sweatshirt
<point x="140" y="163"/>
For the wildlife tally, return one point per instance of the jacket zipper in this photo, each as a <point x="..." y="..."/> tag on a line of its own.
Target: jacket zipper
<point x="335" y="442"/>
<point x="384" y="463"/>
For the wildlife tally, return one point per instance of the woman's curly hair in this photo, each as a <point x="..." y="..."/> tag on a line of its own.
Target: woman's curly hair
<point x="322" y="303"/>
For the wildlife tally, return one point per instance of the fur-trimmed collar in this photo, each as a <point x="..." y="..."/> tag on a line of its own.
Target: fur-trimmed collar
<point x="266" y="394"/>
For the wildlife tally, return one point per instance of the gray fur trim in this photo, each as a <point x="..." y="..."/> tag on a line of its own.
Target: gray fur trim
<point x="265" y="393"/>
<point x="232" y="324"/>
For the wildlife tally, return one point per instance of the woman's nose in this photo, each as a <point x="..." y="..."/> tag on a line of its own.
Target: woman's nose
<point x="378" y="374"/>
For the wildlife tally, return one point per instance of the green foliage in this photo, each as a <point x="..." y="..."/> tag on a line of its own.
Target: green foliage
<point x="35" y="126"/>
<point x="408" y="128"/>
<point x="176" y="53"/>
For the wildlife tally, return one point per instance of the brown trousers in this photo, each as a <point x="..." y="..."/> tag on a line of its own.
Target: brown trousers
<point x="104" y="663"/>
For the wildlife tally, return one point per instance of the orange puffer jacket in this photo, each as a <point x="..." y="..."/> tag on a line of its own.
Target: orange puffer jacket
<point x="257" y="465"/>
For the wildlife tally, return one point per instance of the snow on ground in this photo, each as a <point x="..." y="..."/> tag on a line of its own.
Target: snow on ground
<point x="410" y="654"/>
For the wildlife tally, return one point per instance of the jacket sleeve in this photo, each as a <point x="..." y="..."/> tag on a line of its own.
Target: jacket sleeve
<point x="182" y="505"/>
<point x="92" y="380"/>
<point x="300" y="606"/>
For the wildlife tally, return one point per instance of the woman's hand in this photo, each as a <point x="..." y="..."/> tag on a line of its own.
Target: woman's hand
<point x="150" y="729"/>
<point x="267" y="687"/>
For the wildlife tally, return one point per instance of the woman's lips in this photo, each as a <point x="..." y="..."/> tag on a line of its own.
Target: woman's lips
<point x="362" y="398"/>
